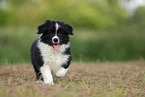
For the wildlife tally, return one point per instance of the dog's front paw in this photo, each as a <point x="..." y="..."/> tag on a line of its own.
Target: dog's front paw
<point x="48" y="82"/>
<point x="61" y="72"/>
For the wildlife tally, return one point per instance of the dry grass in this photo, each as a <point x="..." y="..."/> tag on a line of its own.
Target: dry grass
<point x="125" y="79"/>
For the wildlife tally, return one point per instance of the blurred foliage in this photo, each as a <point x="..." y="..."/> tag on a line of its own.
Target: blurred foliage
<point x="103" y="31"/>
<point x="117" y="46"/>
<point x="15" y="44"/>
<point x="96" y="14"/>
<point x="3" y="17"/>
<point x="138" y="19"/>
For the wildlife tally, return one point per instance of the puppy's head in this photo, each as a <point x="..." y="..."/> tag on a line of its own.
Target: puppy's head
<point x="55" y="33"/>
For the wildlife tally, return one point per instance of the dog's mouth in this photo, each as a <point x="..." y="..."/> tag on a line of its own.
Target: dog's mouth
<point x="56" y="46"/>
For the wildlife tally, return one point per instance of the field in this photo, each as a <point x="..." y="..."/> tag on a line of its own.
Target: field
<point x="106" y="42"/>
<point x="121" y="79"/>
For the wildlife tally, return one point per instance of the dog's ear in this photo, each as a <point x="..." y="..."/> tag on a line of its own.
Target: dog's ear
<point x="69" y="29"/>
<point x="42" y="27"/>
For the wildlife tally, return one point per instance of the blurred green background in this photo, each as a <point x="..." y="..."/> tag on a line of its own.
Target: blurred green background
<point x="104" y="31"/>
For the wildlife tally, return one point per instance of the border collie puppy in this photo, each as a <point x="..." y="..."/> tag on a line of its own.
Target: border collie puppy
<point x="51" y="53"/>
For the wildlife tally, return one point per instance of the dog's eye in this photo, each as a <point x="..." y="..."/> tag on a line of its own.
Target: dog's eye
<point x="61" y="32"/>
<point x="51" y="31"/>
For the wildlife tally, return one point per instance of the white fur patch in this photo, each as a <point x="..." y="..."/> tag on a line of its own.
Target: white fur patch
<point x="61" y="72"/>
<point x="46" y="73"/>
<point x="56" y="28"/>
<point x="53" y="59"/>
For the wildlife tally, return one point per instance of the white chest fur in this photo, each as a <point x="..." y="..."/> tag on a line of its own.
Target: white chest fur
<point x="53" y="58"/>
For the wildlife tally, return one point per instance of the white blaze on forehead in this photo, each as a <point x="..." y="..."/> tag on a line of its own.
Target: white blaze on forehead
<point x="56" y="28"/>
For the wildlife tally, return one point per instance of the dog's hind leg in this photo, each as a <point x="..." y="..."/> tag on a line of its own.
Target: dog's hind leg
<point x="39" y="76"/>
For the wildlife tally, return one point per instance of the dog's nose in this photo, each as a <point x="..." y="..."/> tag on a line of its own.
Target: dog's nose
<point x="55" y="39"/>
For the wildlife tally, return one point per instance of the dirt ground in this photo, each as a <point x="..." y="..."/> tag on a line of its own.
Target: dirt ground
<point x="123" y="79"/>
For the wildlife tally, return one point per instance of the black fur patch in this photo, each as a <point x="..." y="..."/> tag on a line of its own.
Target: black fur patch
<point x="36" y="59"/>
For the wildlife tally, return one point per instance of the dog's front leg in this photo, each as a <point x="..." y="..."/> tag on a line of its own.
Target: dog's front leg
<point x="46" y="74"/>
<point x="61" y="72"/>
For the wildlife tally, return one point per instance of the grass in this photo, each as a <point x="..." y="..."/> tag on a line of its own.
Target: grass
<point x="122" y="79"/>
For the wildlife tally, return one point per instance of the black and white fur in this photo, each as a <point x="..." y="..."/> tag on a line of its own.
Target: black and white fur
<point x="51" y="53"/>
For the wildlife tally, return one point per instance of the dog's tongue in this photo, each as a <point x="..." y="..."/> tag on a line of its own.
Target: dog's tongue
<point x="56" y="46"/>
